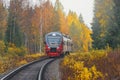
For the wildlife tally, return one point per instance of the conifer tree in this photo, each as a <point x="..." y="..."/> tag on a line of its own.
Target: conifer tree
<point x="3" y="20"/>
<point x="13" y="33"/>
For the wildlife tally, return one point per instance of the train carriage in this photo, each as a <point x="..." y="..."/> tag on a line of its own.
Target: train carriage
<point x="57" y="43"/>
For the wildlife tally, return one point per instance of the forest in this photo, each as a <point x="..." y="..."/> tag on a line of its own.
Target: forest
<point x="102" y="62"/>
<point x="106" y="24"/>
<point x="23" y="27"/>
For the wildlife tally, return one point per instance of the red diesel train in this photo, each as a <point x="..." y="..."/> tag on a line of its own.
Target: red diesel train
<point x="57" y="43"/>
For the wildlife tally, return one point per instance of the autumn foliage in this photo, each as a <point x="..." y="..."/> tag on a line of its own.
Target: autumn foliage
<point x="74" y="68"/>
<point x="23" y="27"/>
<point x="93" y="65"/>
<point x="12" y="57"/>
<point x="10" y="62"/>
<point x="106" y="24"/>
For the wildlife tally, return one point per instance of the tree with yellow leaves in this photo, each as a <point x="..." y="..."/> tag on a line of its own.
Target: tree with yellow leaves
<point x="79" y="32"/>
<point x="62" y="19"/>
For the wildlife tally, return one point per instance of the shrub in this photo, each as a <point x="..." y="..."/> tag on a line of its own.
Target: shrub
<point x="21" y="51"/>
<point x="14" y="51"/>
<point x="22" y="62"/>
<point x="14" y="57"/>
<point x="93" y="65"/>
<point x="11" y="52"/>
<point x="9" y="62"/>
<point x="74" y="69"/>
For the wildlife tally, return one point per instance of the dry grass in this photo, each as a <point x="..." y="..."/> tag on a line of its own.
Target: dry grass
<point x="96" y="65"/>
<point x="10" y="62"/>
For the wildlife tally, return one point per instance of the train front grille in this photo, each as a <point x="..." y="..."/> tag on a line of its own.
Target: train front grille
<point x="53" y="50"/>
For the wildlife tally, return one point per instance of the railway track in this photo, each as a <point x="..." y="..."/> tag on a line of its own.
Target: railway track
<point x="31" y="71"/>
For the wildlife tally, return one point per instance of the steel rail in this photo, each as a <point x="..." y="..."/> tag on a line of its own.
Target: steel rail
<point x="11" y="74"/>
<point x="42" y="69"/>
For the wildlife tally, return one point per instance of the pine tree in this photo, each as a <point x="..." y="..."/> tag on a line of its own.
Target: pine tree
<point x="103" y="14"/>
<point x="13" y="33"/>
<point x="3" y="20"/>
<point x="113" y="35"/>
<point x="81" y="18"/>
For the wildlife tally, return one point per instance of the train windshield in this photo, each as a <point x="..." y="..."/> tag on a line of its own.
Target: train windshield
<point x="54" y="41"/>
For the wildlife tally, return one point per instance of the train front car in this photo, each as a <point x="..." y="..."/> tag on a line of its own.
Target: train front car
<point x="53" y="44"/>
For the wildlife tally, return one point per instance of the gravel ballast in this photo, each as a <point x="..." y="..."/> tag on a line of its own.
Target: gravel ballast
<point x="53" y="71"/>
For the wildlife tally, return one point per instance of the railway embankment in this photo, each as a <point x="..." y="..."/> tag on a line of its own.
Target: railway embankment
<point x="93" y="65"/>
<point x="44" y="69"/>
<point x="9" y="63"/>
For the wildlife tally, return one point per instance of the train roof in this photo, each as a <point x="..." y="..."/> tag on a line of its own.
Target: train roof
<point x="59" y="33"/>
<point x="55" y="33"/>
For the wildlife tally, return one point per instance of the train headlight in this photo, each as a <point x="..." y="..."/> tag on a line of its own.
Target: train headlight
<point x="48" y="47"/>
<point x="53" y="34"/>
<point x="58" y="48"/>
